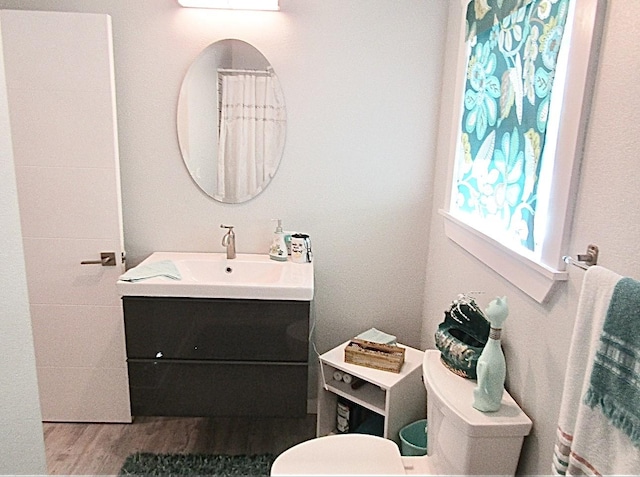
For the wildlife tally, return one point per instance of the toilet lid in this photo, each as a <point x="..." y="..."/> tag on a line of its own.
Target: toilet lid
<point x="343" y="454"/>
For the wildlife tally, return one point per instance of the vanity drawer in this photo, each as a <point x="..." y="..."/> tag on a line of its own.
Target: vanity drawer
<point x="217" y="389"/>
<point x="216" y="329"/>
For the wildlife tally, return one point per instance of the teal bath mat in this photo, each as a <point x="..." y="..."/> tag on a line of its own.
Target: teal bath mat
<point x="197" y="464"/>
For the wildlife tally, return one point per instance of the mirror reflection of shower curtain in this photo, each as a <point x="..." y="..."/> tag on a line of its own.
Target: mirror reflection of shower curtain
<point x="252" y="130"/>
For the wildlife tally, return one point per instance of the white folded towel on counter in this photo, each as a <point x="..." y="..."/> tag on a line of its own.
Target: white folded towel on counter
<point x="163" y="268"/>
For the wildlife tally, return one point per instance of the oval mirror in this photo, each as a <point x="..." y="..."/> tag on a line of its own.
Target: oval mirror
<point x="231" y="121"/>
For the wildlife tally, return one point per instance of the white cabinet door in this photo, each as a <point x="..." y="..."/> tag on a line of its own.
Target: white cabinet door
<point x="61" y="92"/>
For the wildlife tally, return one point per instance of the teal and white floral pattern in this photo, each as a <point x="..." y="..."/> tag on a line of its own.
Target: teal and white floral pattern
<point x="510" y="74"/>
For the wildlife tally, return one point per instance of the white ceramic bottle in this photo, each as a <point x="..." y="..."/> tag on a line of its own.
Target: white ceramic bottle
<point x="492" y="368"/>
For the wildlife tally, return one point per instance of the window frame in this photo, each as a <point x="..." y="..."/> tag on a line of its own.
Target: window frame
<point x="536" y="276"/>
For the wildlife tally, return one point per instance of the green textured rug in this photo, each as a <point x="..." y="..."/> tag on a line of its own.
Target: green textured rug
<point x="144" y="463"/>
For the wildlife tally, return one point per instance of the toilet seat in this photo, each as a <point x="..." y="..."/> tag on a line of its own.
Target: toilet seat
<point x="342" y="454"/>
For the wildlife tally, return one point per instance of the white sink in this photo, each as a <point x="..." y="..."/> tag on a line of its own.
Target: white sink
<point x="211" y="275"/>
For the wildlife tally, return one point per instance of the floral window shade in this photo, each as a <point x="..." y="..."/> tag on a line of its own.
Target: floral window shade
<point x="509" y="82"/>
<point x="482" y="14"/>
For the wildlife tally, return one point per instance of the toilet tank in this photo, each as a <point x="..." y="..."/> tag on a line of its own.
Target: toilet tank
<point x="461" y="439"/>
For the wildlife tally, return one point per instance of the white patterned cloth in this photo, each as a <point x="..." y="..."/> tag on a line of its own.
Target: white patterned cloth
<point x="586" y="442"/>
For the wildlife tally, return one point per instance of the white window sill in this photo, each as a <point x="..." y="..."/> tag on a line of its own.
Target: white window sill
<point x="533" y="278"/>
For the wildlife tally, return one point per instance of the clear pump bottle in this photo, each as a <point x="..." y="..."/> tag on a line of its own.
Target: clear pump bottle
<point x="278" y="250"/>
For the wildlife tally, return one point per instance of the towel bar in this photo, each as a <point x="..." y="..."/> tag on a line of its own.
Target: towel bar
<point x="584" y="261"/>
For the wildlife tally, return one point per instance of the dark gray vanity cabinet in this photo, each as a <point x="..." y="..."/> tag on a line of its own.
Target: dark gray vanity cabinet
<point x="216" y="357"/>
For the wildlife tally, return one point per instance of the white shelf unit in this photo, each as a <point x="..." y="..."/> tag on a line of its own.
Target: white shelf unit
<point x="399" y="397"/>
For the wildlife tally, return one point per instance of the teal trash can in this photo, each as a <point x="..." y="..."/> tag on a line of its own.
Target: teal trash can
<point x="413" y="438"/>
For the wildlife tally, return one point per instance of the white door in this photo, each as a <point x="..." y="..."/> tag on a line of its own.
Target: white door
<point x="61" y="92"/>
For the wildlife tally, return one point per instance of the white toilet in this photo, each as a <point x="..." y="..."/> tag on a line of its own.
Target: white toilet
<point x="460" y="440"/>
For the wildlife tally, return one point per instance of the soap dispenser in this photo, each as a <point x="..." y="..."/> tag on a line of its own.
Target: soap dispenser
<point x="278" y="250"/>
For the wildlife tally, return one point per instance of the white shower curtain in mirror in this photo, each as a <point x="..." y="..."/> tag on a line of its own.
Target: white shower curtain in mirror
<point x="252" y="126"/>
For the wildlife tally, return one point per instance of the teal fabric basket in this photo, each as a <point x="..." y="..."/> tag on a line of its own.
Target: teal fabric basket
<point x="413" y="438"/>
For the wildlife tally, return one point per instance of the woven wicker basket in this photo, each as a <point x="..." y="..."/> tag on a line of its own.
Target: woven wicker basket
<point x="374" y="355"/>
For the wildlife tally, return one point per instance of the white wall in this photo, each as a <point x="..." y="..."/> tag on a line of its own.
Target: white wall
<point x="361" y="80"/>
<point x="355" y="173"/>
<point x="537" y="337"/>
<point x="21" y="439"/>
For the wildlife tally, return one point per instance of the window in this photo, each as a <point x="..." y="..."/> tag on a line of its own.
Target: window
<point x="514" y="174"/>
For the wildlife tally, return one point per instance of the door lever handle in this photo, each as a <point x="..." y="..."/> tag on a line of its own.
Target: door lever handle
<point x="107" y="259"/>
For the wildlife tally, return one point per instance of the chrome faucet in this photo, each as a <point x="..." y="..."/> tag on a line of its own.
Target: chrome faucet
<point x="229" y="241"/>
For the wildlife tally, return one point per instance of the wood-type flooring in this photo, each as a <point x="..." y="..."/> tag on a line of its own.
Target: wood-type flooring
<point x="100" y="449"/>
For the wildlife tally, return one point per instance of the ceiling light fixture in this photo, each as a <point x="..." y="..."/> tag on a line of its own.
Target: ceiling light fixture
<point x="232" y="4"/>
